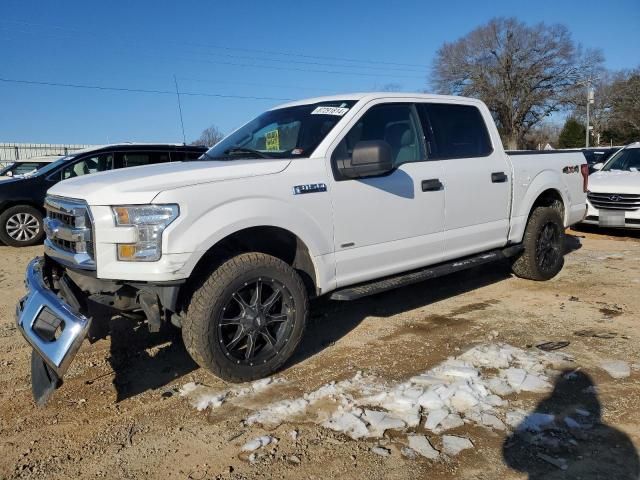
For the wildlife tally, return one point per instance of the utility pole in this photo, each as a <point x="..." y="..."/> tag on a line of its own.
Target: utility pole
<point x="589" y="101"/>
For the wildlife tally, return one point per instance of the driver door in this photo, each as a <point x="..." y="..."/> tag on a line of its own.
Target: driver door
<point x="394" y="222"/>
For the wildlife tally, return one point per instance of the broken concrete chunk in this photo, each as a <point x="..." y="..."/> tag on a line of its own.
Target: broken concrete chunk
<point x="499" y="386"/>
<point x="453" y="445"/>
<point x="430" y="400"/>
<point x="421" y="444"/>
<point x="459" y="371"/>
<point x="425" y="379"/>
<point x="535" y="422"/>
<point x="347" y="423"/>
<point x="492" y="421"/>
<point x="379" y="422"/>
<point x="435" y="417"/>
<point x="463" y="400"/>
<point x="408" y="453"/>
<point x="616" y="368"/>
<point x="453" y="420"/>
<point x="535" y="383"/>
<point x="383" y="452"/>
<point x="257" y="443"/>
<point x="515" y="377"/>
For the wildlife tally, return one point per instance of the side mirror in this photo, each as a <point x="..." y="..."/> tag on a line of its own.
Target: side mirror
<point x="369" y="158"/>
<point x="9" y="173"/>
<point x="597" y="166"/>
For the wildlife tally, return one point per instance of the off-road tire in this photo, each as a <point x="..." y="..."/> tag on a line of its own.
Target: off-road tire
<point x="14" y="212"/>
<point x="200" y="324"/>
<point x="528" y="264"/>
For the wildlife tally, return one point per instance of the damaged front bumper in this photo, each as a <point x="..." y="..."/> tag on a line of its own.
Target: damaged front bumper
<point x="52" y="327"/>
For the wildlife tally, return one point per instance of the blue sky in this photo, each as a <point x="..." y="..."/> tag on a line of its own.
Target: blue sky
<point x="278" y="50"/>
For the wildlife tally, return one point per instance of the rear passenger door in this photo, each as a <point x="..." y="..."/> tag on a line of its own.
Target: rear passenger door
<point x="476" y="178"/>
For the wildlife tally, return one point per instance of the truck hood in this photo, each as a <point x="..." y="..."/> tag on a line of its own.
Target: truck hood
<point x="615" y="182"/>
<point x="139" y="185"/>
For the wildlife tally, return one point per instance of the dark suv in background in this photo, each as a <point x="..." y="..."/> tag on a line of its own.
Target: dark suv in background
<point x="597" y="155"/>
<point x="22" y="199"/>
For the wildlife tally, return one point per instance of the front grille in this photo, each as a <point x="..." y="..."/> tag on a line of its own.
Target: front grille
<point x="614" y="201"/>
<point x="69" y="232"/>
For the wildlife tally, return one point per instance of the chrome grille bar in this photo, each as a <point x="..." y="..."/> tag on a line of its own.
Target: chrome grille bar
<point x="614" y="201"/>
<point x="69" y="232"/>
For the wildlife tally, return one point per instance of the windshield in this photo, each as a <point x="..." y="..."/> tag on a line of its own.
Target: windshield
<point x="21" y="168"/>
<point x="626" y="160"/>
<point x="291" y="132"/>
<point x="53" y="165"/>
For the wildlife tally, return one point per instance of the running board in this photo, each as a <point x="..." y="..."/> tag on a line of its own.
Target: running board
<point x="416" y="276"/>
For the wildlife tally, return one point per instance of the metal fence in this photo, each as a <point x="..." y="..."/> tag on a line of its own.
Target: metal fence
<point x="10" y="152"/>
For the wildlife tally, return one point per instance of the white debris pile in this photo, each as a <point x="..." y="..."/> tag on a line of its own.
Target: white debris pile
<point x="465" y="389"/>
<point x="203" y="397"/>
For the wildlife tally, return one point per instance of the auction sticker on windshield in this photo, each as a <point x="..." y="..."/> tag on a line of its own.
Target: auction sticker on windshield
<point x="339" y="111"/>
<point x="272" y="140"/>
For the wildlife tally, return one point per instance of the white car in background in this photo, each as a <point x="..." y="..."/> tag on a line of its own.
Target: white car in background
<point x="26" y="166"/>
<point x="614" y="190"/>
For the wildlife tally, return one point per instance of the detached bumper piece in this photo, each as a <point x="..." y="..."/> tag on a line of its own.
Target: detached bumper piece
<point x="52" y="328"/>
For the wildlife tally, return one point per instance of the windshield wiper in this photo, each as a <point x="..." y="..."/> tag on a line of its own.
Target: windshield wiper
<point x="233" y="150"/>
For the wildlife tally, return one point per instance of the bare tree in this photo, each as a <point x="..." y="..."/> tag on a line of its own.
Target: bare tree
<point x="209" y="137"/>
<point x="625" y="102"/>
<point x="523" y="73"/>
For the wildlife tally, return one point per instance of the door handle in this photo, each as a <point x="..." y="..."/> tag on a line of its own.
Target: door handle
<point x="499" y="177"/>
<point x="432" y="185"/>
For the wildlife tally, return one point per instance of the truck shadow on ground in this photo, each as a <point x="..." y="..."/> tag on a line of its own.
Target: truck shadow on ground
<point x="331" y="320"/>
<point x="564" y="437"/>
<point x="141" y="360"/>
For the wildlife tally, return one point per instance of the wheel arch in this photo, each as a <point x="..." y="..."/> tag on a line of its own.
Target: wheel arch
<point x="546" y="189"/>
<point x="271" y="240"/>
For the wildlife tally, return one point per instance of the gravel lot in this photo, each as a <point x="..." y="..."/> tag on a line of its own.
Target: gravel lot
<point x="120" y="413"/>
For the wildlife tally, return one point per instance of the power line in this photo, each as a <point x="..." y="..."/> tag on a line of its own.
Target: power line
<point x="251" y="50"/>
<point x="280" y="67"/>
<point x="135" y="90"/>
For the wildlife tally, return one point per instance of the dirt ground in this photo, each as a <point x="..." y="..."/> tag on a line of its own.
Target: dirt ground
<point x="119" y="413"/>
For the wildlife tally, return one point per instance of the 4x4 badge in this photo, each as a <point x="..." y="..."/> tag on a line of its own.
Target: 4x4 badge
<point x="309" y="188"/>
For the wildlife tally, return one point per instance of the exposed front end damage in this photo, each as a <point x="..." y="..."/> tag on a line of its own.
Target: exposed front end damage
<point x="54" y="316"/>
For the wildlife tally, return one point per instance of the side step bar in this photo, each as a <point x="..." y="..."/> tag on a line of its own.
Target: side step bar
<point x="415" y="276"/>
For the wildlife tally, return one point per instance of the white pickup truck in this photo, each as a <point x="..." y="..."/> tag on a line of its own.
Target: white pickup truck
<point x="346" y="195"/>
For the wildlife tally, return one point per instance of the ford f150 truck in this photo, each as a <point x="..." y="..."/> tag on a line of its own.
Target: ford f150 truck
<point x="346" y="195"/>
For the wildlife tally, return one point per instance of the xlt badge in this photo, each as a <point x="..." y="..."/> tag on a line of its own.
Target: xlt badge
<point x="309" y="188"/>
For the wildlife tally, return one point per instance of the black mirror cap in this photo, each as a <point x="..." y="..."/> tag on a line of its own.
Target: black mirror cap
<point x="370" y="158"/>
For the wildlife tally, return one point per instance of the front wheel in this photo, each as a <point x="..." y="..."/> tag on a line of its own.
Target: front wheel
<point x="21" y="226"/>
<point x="543" y="243"/>
<point x="247" y="318"/>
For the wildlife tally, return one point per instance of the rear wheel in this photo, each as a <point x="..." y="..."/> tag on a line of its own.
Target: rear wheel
<point x="21" y="226"/>
<point x="247" y="319"/>
<point x="543" y="243"/>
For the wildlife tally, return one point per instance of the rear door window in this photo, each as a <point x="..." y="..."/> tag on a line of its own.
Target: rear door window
<point x="137" y="159"/>
<point x="454" y="131"/>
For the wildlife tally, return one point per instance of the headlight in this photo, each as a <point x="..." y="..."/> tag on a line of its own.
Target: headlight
<point x="149" y="221"/>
